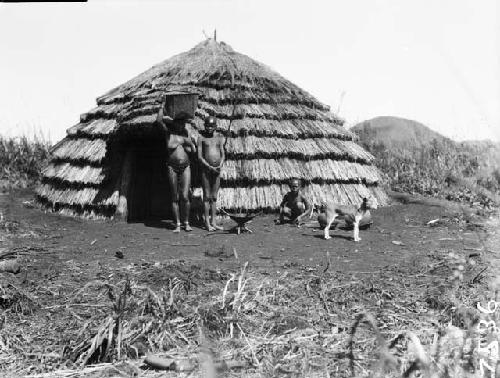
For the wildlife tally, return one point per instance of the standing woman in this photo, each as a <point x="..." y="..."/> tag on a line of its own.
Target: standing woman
<point x="179" y="147"/>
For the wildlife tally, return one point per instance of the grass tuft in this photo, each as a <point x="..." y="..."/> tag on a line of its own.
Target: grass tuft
<point x="21" y="161"/>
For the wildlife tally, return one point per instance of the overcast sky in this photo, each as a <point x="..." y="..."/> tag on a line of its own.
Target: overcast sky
<point x="437" y="62"/>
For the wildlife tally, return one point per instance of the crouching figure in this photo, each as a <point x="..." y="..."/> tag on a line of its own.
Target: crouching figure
<point x="294" y="205"/>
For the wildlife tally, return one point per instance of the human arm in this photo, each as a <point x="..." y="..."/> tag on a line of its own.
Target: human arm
<point x="222" y="153"/>
<point x="284" y="201"/>
<point x="281" y="219"/>
<point x="200" y="155"/>
<point x="188" y="145"/>
<point x="162" y="120"/>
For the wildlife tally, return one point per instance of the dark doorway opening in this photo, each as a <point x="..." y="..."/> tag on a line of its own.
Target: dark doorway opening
<point x="149" y="192"/>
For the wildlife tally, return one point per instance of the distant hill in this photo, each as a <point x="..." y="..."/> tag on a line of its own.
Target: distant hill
<point x="417" y="159"/>
<point x="397" y="131"/>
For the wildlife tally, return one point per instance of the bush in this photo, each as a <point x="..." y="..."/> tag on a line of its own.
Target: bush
<point x="21" y="161"/>
<point x="459" y="172"/>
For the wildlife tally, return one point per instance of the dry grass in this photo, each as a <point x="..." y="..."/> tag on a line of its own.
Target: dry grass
<point x="306" y="321"/>
<point x="21" y="160"/>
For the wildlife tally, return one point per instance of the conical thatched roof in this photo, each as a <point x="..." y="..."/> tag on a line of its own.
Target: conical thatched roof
<point x="275" y="131"/>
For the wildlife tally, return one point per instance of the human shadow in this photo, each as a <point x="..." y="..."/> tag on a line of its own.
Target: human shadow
<point x="225" y="231"/>
<point x="168" y="224"/>
<point x="158" y="223"/>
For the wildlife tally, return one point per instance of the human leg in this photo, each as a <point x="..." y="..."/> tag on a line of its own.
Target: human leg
<point x="284" y="212"/>
<point x="174" y="194"/>
<point x="298" y="211"/>
<point x="185" y="183"/>
<point x="205" y="183"/>
<point x="214" y="189"/>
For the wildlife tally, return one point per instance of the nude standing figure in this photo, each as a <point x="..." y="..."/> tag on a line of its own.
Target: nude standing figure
<point x="179" y="145"/>
<point x="211" y="155"/>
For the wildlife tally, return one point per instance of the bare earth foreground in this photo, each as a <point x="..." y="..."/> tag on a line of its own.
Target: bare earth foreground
<point x="280" y="301"/>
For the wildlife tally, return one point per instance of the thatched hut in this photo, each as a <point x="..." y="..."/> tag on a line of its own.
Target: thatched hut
<point x="112" y="162"/>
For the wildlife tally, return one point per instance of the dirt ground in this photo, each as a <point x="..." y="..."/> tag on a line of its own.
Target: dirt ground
<point x="63" y="254"/>
<point x="269" y="248"/>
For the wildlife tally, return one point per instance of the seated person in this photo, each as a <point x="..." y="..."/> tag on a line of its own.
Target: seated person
<point x="294" y="205"/>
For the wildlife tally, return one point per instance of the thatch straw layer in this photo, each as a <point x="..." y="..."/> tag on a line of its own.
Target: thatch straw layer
<point x="230" y="198"/>
<point x="270" y="196"/>
<point x="288" y="129"/>
<point x="82" y="149"/>
<point x="227" y="96"/>
<point x="103" y="111"/>
<point x="77" y="197"/>
<point x="68" y="172"/>
<point x="278" y="119"/>
<point x="255" y="171"/>
<point x="276" y="111"/>
<point x="314" y="148"/>
<point x="95" y="128"/>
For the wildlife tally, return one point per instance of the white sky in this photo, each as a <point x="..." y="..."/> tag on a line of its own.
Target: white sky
<point x="437" y="62"/>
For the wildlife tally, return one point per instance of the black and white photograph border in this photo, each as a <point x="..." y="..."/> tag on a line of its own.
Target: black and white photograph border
<point x="249" y="189"/>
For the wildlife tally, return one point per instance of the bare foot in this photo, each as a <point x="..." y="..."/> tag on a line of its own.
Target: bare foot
<point x="177" y="229"/>
<point x="209" y="227"/>
<point x="216" y="227"/>
<point x="187" y="227"/>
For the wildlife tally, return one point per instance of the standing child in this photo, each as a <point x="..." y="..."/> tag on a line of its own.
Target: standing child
<point x="211" y="156"/>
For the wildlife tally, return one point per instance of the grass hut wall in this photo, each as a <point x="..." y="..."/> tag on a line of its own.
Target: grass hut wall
<point x="113" y="161"/>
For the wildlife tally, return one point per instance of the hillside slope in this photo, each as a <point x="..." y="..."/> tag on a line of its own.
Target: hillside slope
<point x="417" y="159"/>
<point x="397" y="131"/>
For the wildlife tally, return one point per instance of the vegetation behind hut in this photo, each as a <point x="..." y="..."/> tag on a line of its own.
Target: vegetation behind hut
<point x="21" y="161"/>
<point x="418" y="160"/>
